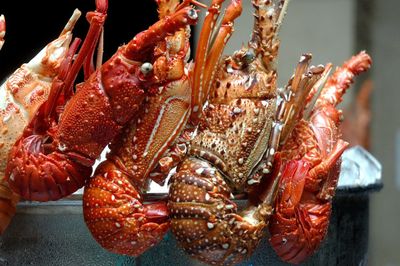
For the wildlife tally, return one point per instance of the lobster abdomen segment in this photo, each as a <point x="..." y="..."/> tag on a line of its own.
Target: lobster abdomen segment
<point x="60" y="176"/>
<point x="298" y="227"/>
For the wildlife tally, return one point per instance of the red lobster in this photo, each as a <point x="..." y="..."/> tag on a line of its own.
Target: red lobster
<point x="310" y="168"/>
<point x="53" y="158"/>
<point x="45" y="163"/>
<point x="113" y="200"/>
<point x="21" y="95"/>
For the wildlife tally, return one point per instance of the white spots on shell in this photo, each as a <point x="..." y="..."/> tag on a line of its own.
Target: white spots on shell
<point x="266" y="171"/>
<point x="210" y="225"/>
<point x="252" y="181"/>
<point x="200" y="171"/>
<point x="112" y="197"/>
<point x="62" y="147"/>
<point x="256" y="111"/>
<point x="237" y="110"/>
<point x="207" y="197"/>
<point x="272" y="151"/>
<point x="229" y="206"/>
<point x="134" y="157"/>
<point x="225" y="246"/>
<point x="196" y="108"/>
<point x="118" y="225"/>
<point x="241" y="161"/>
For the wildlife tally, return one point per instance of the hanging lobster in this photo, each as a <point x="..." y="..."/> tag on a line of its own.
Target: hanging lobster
<point x="113" y="205"/>
<point x="238" y="134"/>
<point x="310" y="168"/>
<point x="113" y="200"/>
<point x="21" y="95"/>
<point x="54" y="156"/>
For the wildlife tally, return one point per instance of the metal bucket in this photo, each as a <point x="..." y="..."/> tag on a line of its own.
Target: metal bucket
<point x="55" y="233"/>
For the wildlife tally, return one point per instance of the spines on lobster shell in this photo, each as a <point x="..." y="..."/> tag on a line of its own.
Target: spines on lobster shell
<point x="310" y="170"/>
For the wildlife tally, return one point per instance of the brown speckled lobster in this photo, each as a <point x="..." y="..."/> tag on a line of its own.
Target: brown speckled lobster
<point x="246" y="123"/>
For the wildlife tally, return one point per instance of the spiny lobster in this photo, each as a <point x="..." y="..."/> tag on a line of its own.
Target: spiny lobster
<point x="54" y="156"/>
<point x="113" y="204"/>
<point x="310" y="168"/>
<point x="20" y="97"/>
<point x="245" y="124"/>
<point x="37" y="169"/>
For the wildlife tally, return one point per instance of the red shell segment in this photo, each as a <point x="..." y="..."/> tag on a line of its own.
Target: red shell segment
<point x="59" y="175"/>
<point x="97" y="112"/>
<point x="116" y="216"/>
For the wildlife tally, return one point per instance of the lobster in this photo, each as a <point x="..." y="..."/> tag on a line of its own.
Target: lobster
<point x="53" y="159"/>
<point x="310" y="166"/>
<point x="21" y="95"/>
<point x="238" y="133"/>
<point x="113" y="200"/>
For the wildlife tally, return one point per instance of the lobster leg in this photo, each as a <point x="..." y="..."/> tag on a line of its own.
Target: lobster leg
<point x="208" y="54"/>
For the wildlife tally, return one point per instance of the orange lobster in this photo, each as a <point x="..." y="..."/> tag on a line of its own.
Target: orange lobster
<point x="113" y="200"/>
<point x="21" y="95"/>
<point x="310" y="168"/>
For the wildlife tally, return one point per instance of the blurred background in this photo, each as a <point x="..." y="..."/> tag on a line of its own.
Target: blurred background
<point x="331" y="30"/>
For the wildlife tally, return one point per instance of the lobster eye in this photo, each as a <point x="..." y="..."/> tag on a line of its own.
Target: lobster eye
<point x="192" y="14"/>
<point x="146" y="68"/>
<point x="248" y="57"/>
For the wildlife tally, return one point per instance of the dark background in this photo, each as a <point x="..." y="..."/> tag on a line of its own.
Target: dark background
<point x="33" y="24"/>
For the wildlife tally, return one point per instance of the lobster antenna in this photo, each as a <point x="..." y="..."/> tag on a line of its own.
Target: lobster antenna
<point x="317" y="89"/>
<point x="282" y="15"/>
<point x="71" y="22"/>
<point x="100" y="50"/>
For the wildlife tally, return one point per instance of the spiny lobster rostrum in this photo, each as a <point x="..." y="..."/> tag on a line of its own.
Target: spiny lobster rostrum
<point x="245" y="125"/>
<point x="113" y="200"/>
<point x="20" y="97"/>
<point x="54" y="156"/>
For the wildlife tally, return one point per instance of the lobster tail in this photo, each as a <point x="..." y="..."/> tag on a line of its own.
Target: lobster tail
<point x="116" y="216"/>
<point x="299" y="224"/>
<point x="204" y="219"/>
<point x="42" y="177"/>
